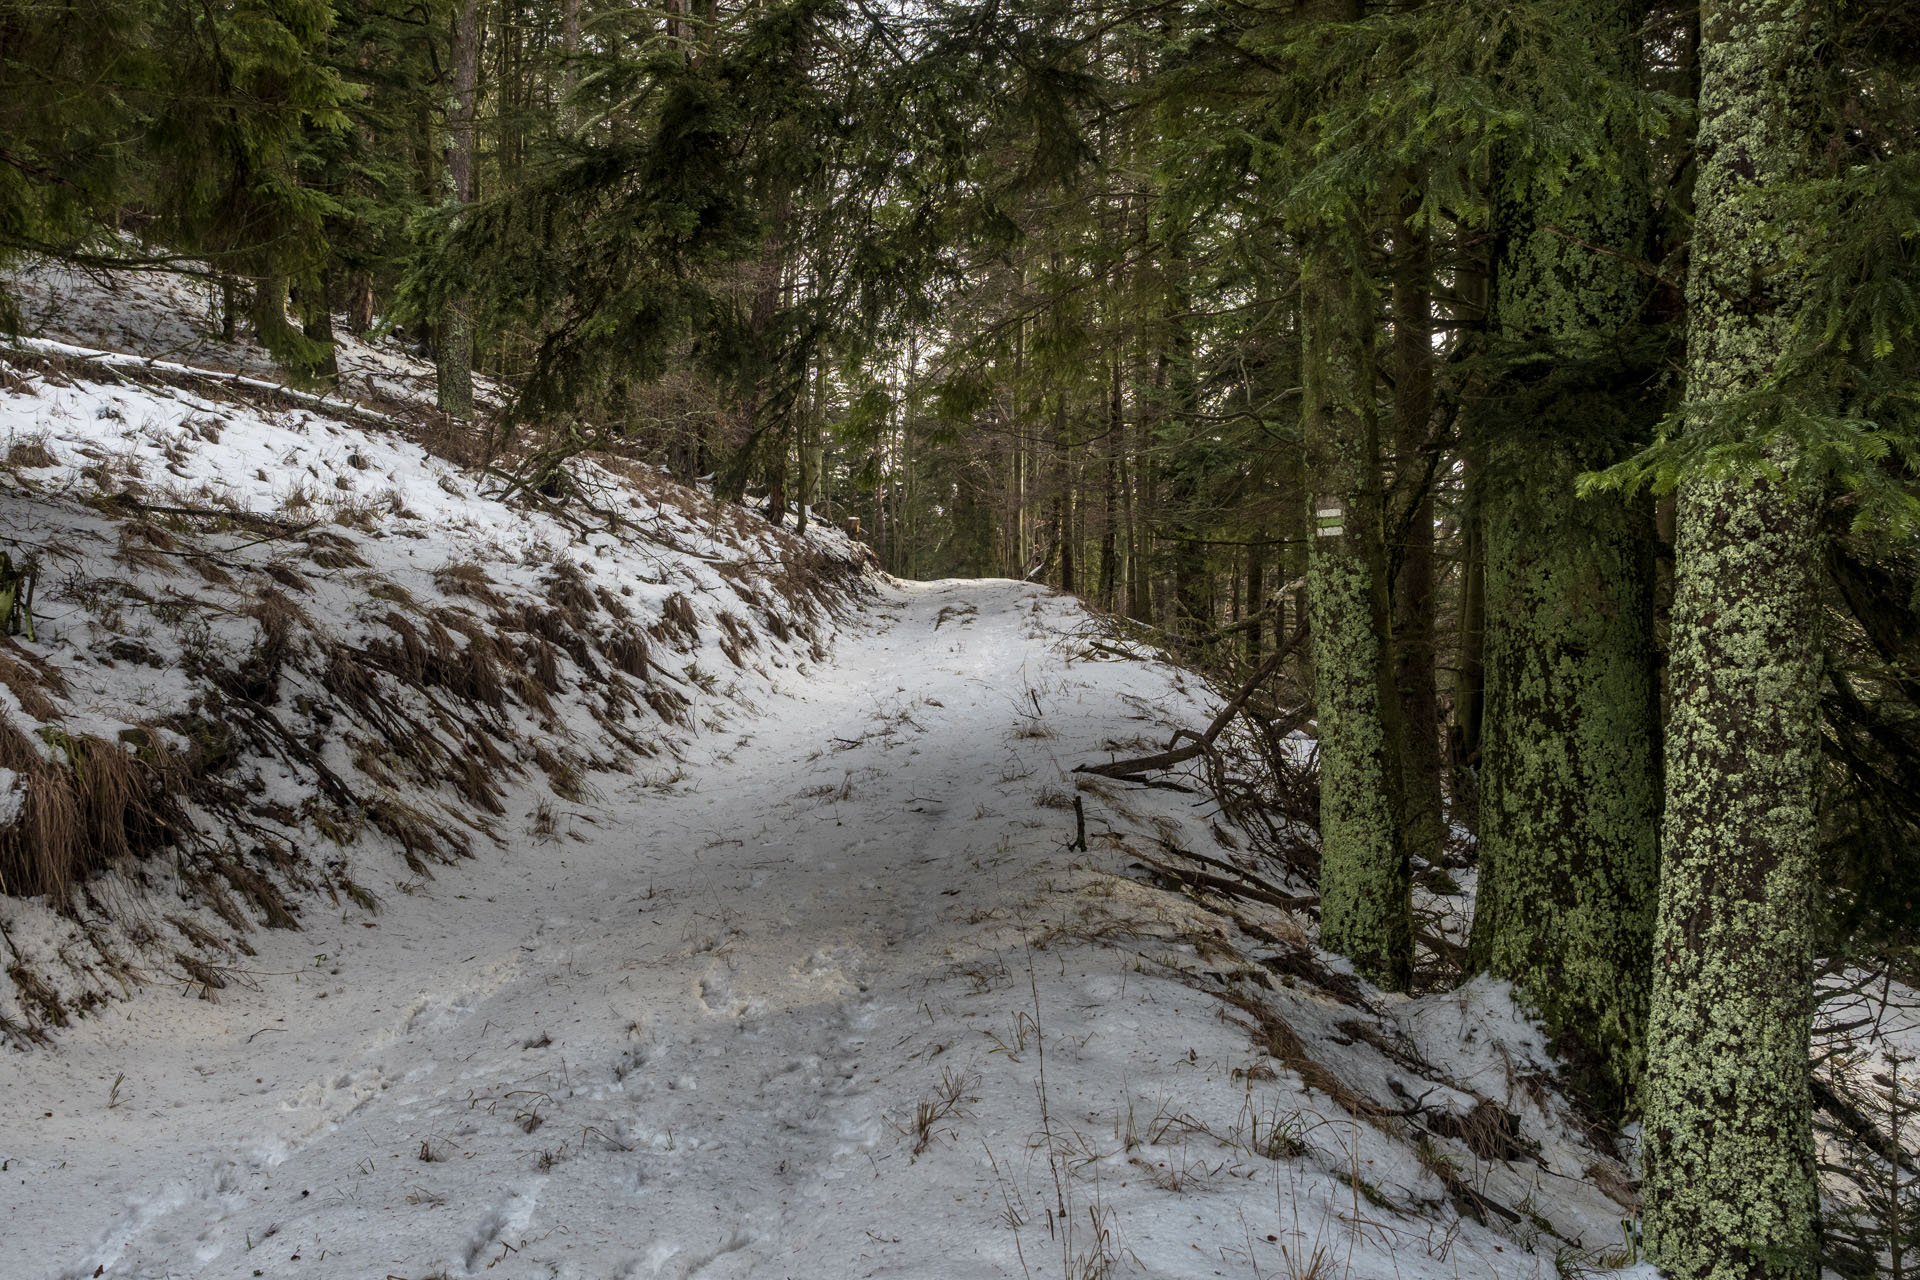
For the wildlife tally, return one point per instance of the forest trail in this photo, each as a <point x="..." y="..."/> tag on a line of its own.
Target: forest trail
<point x="693" y="1031"/>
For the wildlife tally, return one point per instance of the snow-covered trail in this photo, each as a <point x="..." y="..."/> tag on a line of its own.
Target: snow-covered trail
<point x="668" y="1040"/>
<point x="689" y="1032"/>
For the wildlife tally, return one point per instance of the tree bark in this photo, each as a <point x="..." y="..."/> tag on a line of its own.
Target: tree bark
<point x="453" y="344"/>
<point x="359" y="303"/>
<point x="1570" y="788"/>
<point x="1366" y="908"/>
<point x="1730" y="1185"/>
<point x="1412" y="518"/>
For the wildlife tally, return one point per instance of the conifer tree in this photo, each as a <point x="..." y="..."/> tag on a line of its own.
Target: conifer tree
<point x="1365" y="903"/>
<point x="1570" y="787"/>
<point x="227" y="149"/>
<point x="453" y="341"/>
<point x="1730" y="1185"/>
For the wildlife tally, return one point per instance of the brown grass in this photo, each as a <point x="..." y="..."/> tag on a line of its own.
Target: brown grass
<point x="567" y="590"/>
<point x="30" y="453"/>
<point x="31" y="684"/>
<point x="145" y="545"/>
<point x="626" y="651"/>
<point x="465" y="578"/>
<point x="99" y="802"/>
<point x="677" y="620"/>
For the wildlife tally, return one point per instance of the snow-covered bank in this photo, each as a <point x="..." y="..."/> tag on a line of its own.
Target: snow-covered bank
<point x="297" y="646"/>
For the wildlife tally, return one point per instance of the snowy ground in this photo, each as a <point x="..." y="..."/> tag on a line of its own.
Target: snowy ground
<point x="159" y="315"/>
<point x="691" y="1036"/>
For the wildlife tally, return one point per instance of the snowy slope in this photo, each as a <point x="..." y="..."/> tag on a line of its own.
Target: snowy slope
<point x="336" y="647"/>
<point x="167" y="316"/>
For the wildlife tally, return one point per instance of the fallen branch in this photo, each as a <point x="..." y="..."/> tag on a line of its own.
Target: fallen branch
<point x="280" y="528"/>
<point x="189" y="376"/>
<point x="1263" y="890"/>
<point x="1220" y="884"/>
<point x="1174" y="755"/>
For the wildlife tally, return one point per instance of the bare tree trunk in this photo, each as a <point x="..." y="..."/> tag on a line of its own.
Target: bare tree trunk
<point x="1110" y="495"/>
<point x="570" y="75"/>
<point x="359" y="303"/>
<point x="454" y="344"/>
<point x="1411" y="518"/>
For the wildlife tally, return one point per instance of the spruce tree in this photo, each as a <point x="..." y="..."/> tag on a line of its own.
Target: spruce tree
<point x="1570" y="785"/>
<point x="453" y="339"/>
<point x="1730" y="1187"/>
<point x="1365" y="903"/>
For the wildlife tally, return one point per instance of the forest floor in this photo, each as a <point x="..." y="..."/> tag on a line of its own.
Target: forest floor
<point x="672" y="900"/>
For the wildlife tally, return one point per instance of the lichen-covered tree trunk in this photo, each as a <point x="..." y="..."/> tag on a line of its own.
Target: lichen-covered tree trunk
<point x="1570" y="781"/>
<point x="269" y="314"/>
<point x="453" y="359"/>
<point x="1365" y="907"/>
<point x="1730" y="1184"/>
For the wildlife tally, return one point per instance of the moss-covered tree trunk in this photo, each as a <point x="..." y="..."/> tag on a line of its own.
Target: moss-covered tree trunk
<point x="316" y="325"/>
<point x="1570" y="782"/>
<point x="1730" y="1184"/>
<point x="269" y="315"/>
<point x="1365" y="909"/>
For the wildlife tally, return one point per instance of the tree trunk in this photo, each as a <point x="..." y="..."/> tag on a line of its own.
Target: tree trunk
<point x="316" y="324"/>
<point x="1730" y="1185"/>
<point x="1110" y="493"/>
<point x="570" y="54"/>
<point x="229" y="307"/>
<point x="1256" y="592"/>
<point x="453" y="345"/>
<point x="269" y="315"/>
<point x="1412" y="520"/>
<point x="1140" y="514"/>
<point x="1180" y="493"/>
<point x="1365" y="903"/>
<point x="1570" y="786"/>
<point x="1470" y="672"/>
<point x="359" y="303"/>
<point x="1063" y="497"/>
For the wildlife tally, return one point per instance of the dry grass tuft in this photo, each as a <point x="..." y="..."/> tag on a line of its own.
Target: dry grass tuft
<point x="677" y="619"/>
<point x="37" y="996"/>
<point x="91" y="803"/>
<point x="567" y="590"/>
<point x="947" y="1099"/>
<point x="31" y="684"/>
<point x="465" y="578"/>
<point x="289" y="578"/>
<point x="30" y="452"/>
<point x="626" y="651"/>
<point x="145" y="545"/>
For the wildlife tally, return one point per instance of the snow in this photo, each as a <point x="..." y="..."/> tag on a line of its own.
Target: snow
<point x="687" y="1038"/>
<point x="173" y="318"/>
<point x="818" y="989"/>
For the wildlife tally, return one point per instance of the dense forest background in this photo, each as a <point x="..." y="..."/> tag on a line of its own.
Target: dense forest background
<point x="1523" y="392"/>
